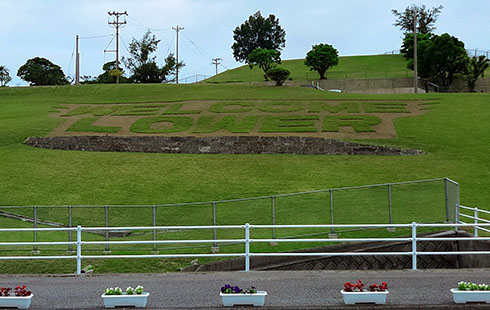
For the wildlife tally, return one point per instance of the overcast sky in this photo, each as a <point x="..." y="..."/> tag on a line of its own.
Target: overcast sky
<point x="47" y="28"/>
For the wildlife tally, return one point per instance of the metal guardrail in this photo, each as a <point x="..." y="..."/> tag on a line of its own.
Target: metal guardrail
<point x="247" y="240"/>
<point x="475" y="217"/>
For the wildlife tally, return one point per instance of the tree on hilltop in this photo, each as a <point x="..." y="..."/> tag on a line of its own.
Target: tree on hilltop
<point x="440" y="58"/>
<point x="110" y="73"/>
<point x="257" y="32"/>
<point x="4" y="76"/>
<point x="143" y="66"/>
<point x="426" y="18"/>
<point x="322" y="57"/>
<point x="41" y="71"/>
<point x="476" y="68"/>
<point x="265" y="59"/>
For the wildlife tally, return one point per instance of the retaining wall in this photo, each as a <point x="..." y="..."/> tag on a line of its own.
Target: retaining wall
<point x="374" y="262"/>
<point x="214" y="145"/>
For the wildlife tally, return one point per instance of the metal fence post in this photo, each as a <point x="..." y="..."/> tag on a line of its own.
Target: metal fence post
<point x="446" y="194"/>
<point x="247" y="247"/>
<point x="70" y="233"/>
<point x="332" y="233"/>
<point x="106" y="209"/>
<point x="154" y="215"/>
<point x="79" y="249"/>
<point x="215" y="247"/>
<point x="414" y="246"/>
<point x="273" y="206"/>
<point x="475" y="215"/>
<point x="456" y="228"/>
<point x="34" y="235"/>
<point x="390" y="209"/>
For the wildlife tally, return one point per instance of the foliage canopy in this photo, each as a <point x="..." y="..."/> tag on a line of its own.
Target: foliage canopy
<point x="264" y="58"/>
<point x="279" y="75"/>
<point x="144" y="67"/>
<point x="476" y="68"/>
<point x="257" y="32"/>
<point x="41" y="71"/>
<point x="440" y="58"/>
<point x="4" y="76"/>
<point x="322" y="57"/>
<point x="426" y="18"/>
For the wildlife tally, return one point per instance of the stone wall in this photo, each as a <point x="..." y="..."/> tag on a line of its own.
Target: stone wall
<point x="396" y="85"/>
<point x="213" y="145"/>
<point x="370" y="85"/>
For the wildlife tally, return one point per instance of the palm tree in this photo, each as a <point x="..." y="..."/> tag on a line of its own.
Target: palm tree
<point x="4" y="76"/>
<point x="476" y="68"/>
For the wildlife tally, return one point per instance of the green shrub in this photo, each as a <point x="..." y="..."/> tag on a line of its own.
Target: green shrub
<point x="279" y="75"/>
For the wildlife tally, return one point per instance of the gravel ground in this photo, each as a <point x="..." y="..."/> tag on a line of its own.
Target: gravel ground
<point x="286" y="289"/>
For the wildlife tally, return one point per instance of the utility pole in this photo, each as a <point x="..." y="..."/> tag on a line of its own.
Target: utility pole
<point x="216" y="62"/>
<point x="177" y="29"/>
<point x="116" y="24"/>
<point x="415" y="69"/>
<point x="77" y="64"/>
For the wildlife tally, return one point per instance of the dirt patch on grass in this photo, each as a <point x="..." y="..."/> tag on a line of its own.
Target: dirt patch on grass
<point x="124" y="116"/>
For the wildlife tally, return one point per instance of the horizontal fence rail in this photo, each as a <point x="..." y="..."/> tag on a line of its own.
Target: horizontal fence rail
<point x="475" y="217"/>
<point x="247" y="240"/>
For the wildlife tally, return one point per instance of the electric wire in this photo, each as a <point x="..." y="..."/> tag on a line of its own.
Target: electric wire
<point x="71" y="60"/>
<point x="201" y="50"/>
<point x="95" y="37"/>
<point x="124" y="44"/>
<point x="169" y="45"/>
<point x="137" y="23"/>
<point x="108" y="45"/>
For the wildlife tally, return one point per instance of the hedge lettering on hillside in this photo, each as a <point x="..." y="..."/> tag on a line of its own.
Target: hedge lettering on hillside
<point x="237" y="116"/>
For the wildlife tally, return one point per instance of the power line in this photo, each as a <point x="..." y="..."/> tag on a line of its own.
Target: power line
<point x="201" y="50"/>
<point x="71" y="59"/>
<point x="125" y="45"/>
<point x="95" y="37"/>
<point x="139" y="24"/>
<point x="169" y="45"/>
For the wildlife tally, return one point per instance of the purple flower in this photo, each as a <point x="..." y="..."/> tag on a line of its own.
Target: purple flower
<point x="236" y="290"/>
<point x="226" y="289"/>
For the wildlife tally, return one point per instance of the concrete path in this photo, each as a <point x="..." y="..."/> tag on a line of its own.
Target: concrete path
<point x="286" y="289"/>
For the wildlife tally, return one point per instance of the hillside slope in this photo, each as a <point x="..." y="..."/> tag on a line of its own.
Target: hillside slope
<point x="349" y="67"/>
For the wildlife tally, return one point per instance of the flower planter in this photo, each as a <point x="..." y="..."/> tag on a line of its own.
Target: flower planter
<point x="365" y="297"/>
<point x="461" y="297"/>
<point x="20" y="302"/>
<point x="256" y="299"/>
<point x="124" y="300"/>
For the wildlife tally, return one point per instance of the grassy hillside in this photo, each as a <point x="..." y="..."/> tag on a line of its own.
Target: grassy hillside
<point x="454" y="133"/>
<point x="349" y="67"/>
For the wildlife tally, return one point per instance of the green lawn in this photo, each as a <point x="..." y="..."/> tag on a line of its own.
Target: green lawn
<point x="454" y="133"/>
<point x="349" y="67"/>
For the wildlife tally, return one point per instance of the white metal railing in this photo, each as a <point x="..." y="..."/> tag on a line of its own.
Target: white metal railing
<point x="247" y="240"/>
<point x="475" y="217"/>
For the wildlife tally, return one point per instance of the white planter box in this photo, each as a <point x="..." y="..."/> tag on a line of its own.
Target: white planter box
<point x="351" y="298"/>
<point x="257" y="299"/>
<point x="20" y="302"/>
<point x="461" y="297"/>
<point x="135" y="300"/>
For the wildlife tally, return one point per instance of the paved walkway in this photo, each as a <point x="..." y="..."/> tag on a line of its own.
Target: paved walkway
<point x="286" y="289"/>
